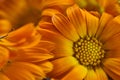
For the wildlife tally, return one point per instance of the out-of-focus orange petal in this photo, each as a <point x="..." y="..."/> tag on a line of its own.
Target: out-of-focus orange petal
<point x="3" y="77"/>
<point x="27" y="66"/>
<point x="46" y="66"/>
<point x="4" y="56"/>
<point x="23" y="37"/>
<point x="77" y="73"/>
<point x="5" y="28"/>
<point x="47" y="45"/>
<point x="20" y="74"/>
<point x="41" y="4"/>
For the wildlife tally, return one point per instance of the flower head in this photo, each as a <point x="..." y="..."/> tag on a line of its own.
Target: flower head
<point x="24" y="56"/>
<point x="87" y="47"/>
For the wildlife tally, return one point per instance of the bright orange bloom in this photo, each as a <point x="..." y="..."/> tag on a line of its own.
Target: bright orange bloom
<point x="109" y="6"/>
<point x="23" y="56"/>
<point x="87" y="47"/>
<point x="21" y="12"/>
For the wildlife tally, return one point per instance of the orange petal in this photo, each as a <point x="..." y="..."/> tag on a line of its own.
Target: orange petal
<point x="22" y="32"/>
<point x="112" y="67"/>
<point x="46" y="66"/>
<point x="91" y="75"/>
<point x="5" y="28"/>
<point x="4" y="56"/>
<point x="112" y="43"/>
<point x="92" y="23"/>
<point x="65" y="27"/>
<point x="47" y="45"/>
<point x="34" y="69"/>
<point x="77" y="73"/>
<point x="24" y="37"/>
<point x="112" y="28"/>
<point x="62" y="65"/>
<point x="77" y="18"/>
<point x="3" y="77"/>
<point x="114" y="53"/>
<point x="101" y="74"/>
<point x="34" y="55"/>
<point x="49" y="12"/>
<point x="63" y="46"/>
<point x="47" y="25"/>
<point x="20" y="74"/>
<point x="105" y="18"/>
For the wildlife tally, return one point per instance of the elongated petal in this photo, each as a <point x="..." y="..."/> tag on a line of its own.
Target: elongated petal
<point x="105" y="18"/>
<point x="113" y="42"/>
<point x="35" y="55"/>
<point x="4" y="56"/>
<point x="49" y="12"/>
<point x="3" y="77"/>
<point x="29" y="67"/>
<point x="22" y="32"/>
<point x="46" y="66"/>
<point x="47" y="25"/>
<point x="78" y="21"/>
<point x="20" y="74"/>
<point x="112" y="28"/>
<point x="92" y="24"/>
<point x="65" y="27"/>
<point x="47" y="45"/>
<point x="62" y="65"/>
<point x="91" y="75"/>
<point x="111" y="67"/>
<point x="116" y="53"/>
<point x="101" y="74"/>
<point x="77" y="73"/>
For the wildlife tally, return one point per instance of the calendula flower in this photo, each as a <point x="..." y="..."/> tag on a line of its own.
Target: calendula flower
<point x="87" y="47"/>
<point x="22" y="12"/>
<point x="109" y="6"/>
<point x="24" y="56"/>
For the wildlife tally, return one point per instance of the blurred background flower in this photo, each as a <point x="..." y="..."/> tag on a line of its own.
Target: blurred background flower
<point x="24" y="56"/>
<point x="109" y="6"/>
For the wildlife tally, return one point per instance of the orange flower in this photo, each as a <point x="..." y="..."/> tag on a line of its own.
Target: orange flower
<point x="21" y="12"/>
<point x="109" y="6"/>
<point x="87" y="47"/>
<point x="24" y="56"/>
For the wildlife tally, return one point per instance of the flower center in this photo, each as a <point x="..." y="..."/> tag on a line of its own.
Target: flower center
<point x="88" y="51"/>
